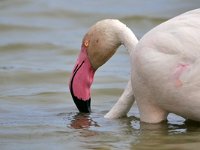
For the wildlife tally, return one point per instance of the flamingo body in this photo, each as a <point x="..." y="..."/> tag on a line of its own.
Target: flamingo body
<point x="165" y="67"/>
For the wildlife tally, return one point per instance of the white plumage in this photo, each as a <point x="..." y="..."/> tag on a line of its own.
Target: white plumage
<point x="165" y="66"/>
<point x="166" y="70"/>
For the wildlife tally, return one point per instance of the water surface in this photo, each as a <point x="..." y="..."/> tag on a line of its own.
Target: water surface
<point x="39" y="43"/>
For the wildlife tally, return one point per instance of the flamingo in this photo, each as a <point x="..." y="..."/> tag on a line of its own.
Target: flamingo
<point x="165" y="68"/>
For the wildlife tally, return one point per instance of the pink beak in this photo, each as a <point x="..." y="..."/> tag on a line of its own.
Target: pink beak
<point x="81" y="81"/>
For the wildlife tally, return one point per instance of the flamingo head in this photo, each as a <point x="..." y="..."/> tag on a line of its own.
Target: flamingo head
<point x="98" y="45"/>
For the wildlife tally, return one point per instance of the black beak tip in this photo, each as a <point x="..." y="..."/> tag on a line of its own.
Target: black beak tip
<point x="83" y="105"/>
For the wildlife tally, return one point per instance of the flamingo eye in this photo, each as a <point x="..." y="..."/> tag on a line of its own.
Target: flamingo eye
<point x="86" y="43"/>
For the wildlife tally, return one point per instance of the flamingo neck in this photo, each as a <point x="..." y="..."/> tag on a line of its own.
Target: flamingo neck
<point x="128" y="39"/>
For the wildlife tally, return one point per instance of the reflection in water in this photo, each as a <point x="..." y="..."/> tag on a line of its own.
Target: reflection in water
<point x="171" y="128"/>
<point x="167" y="135"/>
<point x="82" y="121"/>
<point x="131" y="133"/>
<point x="192" y="126"/>
<point x="86" y="121"/>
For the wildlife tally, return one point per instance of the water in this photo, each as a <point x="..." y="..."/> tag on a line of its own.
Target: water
<point x="39" y="43"/>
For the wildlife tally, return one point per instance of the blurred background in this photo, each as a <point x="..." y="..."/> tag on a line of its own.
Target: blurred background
<point x="39" y="43"/>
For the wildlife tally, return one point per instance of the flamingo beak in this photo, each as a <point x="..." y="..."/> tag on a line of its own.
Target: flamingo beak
<point x="83" y="106"/>
<point x="81" y="81"/>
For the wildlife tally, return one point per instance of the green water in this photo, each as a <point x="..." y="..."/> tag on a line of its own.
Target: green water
<point x="39" y="43"/>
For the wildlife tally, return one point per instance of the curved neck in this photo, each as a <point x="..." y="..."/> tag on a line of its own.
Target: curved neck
<point x="128" y="39"/>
